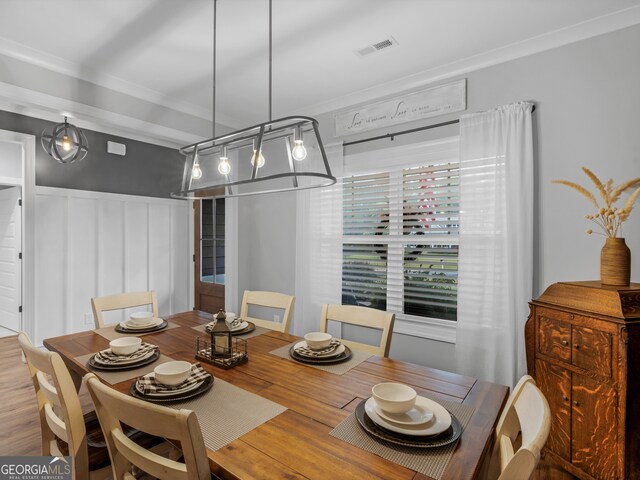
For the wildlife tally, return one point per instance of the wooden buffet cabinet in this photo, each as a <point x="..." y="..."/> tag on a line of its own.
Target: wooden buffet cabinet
<point x="583" y="349"/>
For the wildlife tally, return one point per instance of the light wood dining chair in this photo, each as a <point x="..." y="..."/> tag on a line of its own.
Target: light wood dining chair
<point x="122" y="301"/>
<point x="364" y="317"/>
<point x="114" y="408"/>
<point x="526" y="418"/>
<point x="64" y="430"/>
<point x="270" y="300"/>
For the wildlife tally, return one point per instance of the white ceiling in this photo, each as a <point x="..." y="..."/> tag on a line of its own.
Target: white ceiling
<point x="162" y="49"/>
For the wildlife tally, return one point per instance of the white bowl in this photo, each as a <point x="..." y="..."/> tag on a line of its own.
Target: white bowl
<point x="125" y="345"/>
<point x="394" y="397"/>
<point x="141" y="318"/>
<point x="317" y="340"/>
<point x="172" y="373"/>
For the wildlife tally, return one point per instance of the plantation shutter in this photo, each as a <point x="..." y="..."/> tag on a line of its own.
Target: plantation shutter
<point x="400" y="240"/>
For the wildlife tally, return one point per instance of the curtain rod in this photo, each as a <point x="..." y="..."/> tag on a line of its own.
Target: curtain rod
<point x="404" y="132"/>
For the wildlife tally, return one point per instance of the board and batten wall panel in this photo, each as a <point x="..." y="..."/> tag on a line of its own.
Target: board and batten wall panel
<point x="93" y="244"/>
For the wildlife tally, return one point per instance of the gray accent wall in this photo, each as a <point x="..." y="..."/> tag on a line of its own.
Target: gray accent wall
<point x="587" y="103"/>
<point x="147" y="169"/>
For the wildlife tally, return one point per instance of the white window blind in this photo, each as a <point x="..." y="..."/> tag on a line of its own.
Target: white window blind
<point x="400" y="238"/>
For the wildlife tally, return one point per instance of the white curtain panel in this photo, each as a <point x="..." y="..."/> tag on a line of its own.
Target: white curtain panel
<point x="496" y="242"/>
<point x="318" y="248"/>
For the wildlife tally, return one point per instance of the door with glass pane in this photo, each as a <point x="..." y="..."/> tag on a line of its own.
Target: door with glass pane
<point x="209" y="254"/>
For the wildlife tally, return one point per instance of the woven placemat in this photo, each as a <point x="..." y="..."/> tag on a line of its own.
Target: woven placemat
<point x="337" y="369"/>
<point x="121" y="375"/>
<point x="109" y="332"/>
<point x="227" y="412"/>
<point x="428" y="461"/>
<point x="255" y="333"/>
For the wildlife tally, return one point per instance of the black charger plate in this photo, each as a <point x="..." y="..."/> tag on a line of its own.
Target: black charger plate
<point x="179" y="397"/>
<point x="91" y="363"/>
<point x="343" y="357"/>
<point x="120" y="329"/>
<point x="249" y="328"/>
<point x="450" y="435"/>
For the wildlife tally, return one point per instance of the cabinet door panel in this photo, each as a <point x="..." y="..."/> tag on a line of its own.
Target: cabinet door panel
<point x="555" y="384"/>
<point x="591" y="350"/>
<point x="593" y="425"/>
<point x="554" y="338"/>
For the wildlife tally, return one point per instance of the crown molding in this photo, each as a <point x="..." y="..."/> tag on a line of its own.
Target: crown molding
<point x="53" y="63"/>
<point x="557" y="38"/>
<point x="51" y="108"/>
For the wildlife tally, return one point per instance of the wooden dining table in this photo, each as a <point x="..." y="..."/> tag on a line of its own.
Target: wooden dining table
<point x="297" y="443"/>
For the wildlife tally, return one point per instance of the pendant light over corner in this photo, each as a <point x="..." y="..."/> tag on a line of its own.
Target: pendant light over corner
<point x="65" y="142"/>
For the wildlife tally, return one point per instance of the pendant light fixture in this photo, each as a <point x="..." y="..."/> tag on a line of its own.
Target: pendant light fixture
<point x="274" y="156"/>
<point x="65" y="142"/>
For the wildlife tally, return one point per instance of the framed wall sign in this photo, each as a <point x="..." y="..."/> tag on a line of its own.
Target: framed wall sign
<point x="429" y="102"/>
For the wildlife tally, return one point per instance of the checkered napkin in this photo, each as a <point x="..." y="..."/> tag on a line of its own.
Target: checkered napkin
<point x="307" y="352"/>
<point x="209" y="326"/>
<point x="110" y="358"/>
<point x="148" y="385"/>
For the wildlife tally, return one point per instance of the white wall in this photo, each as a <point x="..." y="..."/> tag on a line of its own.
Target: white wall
<point x="93" y="244"/>
<point x="587" y="103"/>
<point x="266" y="243"/>
<point x="11" y="162"/>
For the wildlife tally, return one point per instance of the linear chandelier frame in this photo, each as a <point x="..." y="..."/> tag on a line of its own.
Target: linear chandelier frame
<point x="228" y="180"/>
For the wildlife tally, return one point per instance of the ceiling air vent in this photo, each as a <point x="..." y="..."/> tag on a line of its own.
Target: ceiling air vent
<point x="386" y="43"/>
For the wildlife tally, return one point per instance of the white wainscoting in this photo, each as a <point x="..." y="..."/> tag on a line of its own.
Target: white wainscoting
<point x="93" y="244"/>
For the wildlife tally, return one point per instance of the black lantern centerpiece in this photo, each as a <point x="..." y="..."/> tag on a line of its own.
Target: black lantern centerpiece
<point x="221" y="348"/>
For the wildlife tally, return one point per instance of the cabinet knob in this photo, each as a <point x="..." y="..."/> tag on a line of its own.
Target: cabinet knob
<point x="576" y="403"/>
<point x="571" y="316"/>
<point x="565" y="343"/>
<point x="576" y="346"/>
<point x="566" y="399"/>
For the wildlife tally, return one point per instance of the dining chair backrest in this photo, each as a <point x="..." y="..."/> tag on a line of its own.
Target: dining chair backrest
<point x="271" y="300"/>
<point x="526" y="415"/>
<point x="58" y="406"/>
<point x="122" y="301"/>
<point x="114" y="408"/>
<point x="364" y="317"/>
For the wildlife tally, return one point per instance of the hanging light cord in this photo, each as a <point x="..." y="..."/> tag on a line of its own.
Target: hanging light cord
<point x="215" y="32"/>
<point x="270" y="56"/>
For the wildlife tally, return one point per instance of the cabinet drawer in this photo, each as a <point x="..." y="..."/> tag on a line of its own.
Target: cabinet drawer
<point x="554" y="338"/>
<point x="591" y="350"/>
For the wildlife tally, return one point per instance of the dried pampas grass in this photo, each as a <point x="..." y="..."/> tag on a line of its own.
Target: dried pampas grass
<point x="608" y="217"/>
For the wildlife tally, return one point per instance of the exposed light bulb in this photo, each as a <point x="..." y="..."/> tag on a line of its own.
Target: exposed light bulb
<point x="66" y="143"/>
<point x="224" y="167"/>
<point x="298" y="152"/>
<point x="196" y="173"/>
<point x="260" y="158"/>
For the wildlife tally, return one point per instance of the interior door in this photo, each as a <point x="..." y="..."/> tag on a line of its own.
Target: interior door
<point x="209" y="254"/>
<point x="10" y="258"/>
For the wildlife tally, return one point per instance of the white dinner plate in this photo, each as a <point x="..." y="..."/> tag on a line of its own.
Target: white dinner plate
<point x="303" y="344"/>
<point x="418" y="415"/>
<point x="131" y="326"/>
<point x="240" y="326"/>
<point x="441" y="421"/>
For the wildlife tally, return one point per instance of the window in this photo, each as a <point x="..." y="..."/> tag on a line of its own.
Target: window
<point x="212" y="241"/>
<point x="400" y="239"/>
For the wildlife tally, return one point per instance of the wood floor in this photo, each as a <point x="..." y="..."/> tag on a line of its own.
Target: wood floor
<point x="19" y="411"/>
